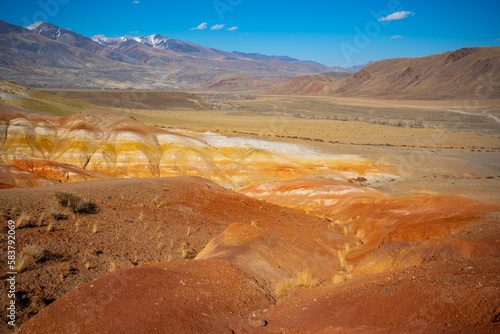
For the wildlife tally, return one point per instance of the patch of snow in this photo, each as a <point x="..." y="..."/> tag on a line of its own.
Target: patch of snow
<point x="34" y="25"/>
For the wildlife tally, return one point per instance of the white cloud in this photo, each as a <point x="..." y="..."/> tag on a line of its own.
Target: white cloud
<point x="136" y="2"/>
<point x="232" y="28"/>
<point x="201" y="26"/>
<point x="396" y="36"/>
<point x="397" y="16"/>
<point x="218" y="27"/>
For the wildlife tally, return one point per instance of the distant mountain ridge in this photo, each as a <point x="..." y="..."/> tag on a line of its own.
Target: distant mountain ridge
<point x="44" y="55"/>
<point x="463" y="73"/>
<point x="80" y="41"/>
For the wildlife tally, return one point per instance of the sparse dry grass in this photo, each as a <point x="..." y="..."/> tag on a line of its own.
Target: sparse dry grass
<point x="341" y="277"/>
<point x="20" y="264"/>
<point x="283" y="289"/>
<point x="305" y="279"/>
<point x="302" y="279"/>
<point x="41" y="219"/>
<point x="342" y="255"/>
<point x="24" y="220"/>
<point x="36" y="252"/>
<point x="345" y="268"/>
<point x="342" y="224"/>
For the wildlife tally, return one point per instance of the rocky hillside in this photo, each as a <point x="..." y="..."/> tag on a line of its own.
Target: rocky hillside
<point x="465" y="73"/>
<point x="44" y="55"/>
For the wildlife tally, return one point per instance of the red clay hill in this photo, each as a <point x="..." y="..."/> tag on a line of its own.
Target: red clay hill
<point x="373" y="263"/>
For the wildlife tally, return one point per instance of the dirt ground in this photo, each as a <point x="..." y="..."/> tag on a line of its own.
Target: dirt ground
<point x="150" y="230"/>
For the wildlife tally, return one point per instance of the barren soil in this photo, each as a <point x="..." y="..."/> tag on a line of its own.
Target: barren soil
<point x="314" y="255"/>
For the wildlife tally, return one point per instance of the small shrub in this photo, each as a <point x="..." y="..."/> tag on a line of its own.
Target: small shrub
<point x="67" y="200"/>
<point x="86" y="207"/>
<point x="76" y="203"/>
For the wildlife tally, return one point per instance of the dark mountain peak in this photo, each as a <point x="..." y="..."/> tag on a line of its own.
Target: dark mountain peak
<point x="39" y="25"/>
<point x="48" y="30"/>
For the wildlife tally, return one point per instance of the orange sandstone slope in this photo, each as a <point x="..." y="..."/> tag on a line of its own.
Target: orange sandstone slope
<point x="119" y="146"/>
<point x="390" y="232"/>
<point x="379" y="264"/>
<point x="464" y="73"/>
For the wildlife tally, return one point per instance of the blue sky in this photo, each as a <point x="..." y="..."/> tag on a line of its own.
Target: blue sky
<point x="335" y="33"/>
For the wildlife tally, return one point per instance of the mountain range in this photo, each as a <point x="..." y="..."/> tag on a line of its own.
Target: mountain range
<point x="471" y="73"/>
<point x="44" y="55"/>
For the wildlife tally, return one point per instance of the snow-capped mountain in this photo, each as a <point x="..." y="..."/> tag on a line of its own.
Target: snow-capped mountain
<point x="155" y="41"/>
<point x="46" y="29"/>
<point x="66" y="36"/>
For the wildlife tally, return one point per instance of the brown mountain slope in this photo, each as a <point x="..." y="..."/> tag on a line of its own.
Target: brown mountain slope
<point x="465" y="73"/>
<point x="243" y="82"/>
<point x="302" y="85"/>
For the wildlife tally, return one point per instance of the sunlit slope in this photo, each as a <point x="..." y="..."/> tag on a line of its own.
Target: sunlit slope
<point x="119" y="146"/>
<point x="22" y="97"/>
<point x="464" y="73"/>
